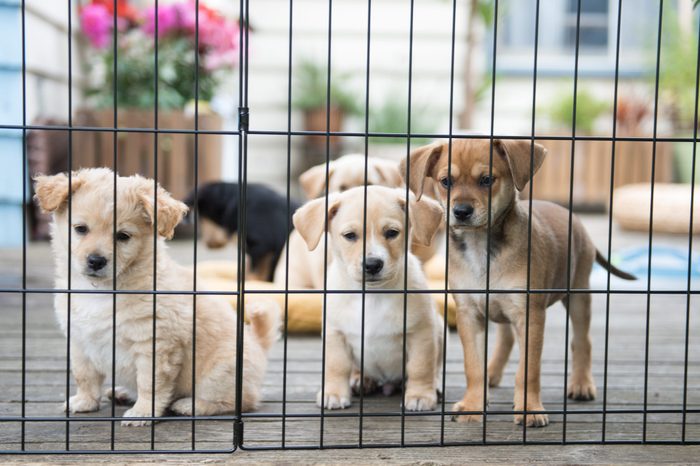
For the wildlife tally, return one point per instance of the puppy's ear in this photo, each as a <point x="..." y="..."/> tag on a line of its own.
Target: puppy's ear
<point x="426" y="217"/>
<point x="422" y="163"/>
<point x="389" y="173"/>
<point x="169" y="211"/>
<point x="313" y="180"/>
<point x="309" y="219"/>
<point x="517" y="153"/>
<point x="52" y="191"/>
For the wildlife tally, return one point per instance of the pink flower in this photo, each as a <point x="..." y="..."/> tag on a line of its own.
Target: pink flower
<point x="168" y="20"/>
<point x="96" y="23"/>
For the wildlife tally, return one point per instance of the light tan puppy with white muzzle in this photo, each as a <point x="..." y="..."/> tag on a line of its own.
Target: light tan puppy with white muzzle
<point x="382" y="267"/>
<point x="92" y="241"/>
<point x="469" y="181"/>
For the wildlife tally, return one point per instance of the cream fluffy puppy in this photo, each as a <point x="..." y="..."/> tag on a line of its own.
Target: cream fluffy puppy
<point x="383" y="267"/>
<point x="91" y="267"/>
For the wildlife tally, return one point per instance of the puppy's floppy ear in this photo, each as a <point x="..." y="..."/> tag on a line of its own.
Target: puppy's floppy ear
<point x="426" y="217"/>
<point x="313" y="180"/>
<point x="52" y="191"/>
<point x="517" y="153"/>
<point x="169" y="211"/>
<point x="309" y="219"/>
<point x="388" y="171"/>
<point x="422" y="162"/>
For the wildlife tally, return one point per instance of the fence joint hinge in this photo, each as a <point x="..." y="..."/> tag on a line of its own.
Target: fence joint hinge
<point x="243" y="118"/>
<point x="238" y="432"/>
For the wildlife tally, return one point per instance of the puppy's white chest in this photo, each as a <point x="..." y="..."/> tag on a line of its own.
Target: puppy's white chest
<point x="91" y="318"/>
<point x="383" y="325"/>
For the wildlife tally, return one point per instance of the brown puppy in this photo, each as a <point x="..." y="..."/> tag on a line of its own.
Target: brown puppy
<point x="469" y="181"/>
<point x="93" y="241"/>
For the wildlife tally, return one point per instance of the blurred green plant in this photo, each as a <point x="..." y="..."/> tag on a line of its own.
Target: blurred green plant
<point x="677" y="70"/>
<point x="311" y="89"/>
<point x="392" y="117"/>
<point x="588" y="109"/>
<point x="136" y="75"/>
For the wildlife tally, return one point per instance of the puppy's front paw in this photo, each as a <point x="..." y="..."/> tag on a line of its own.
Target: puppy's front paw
<point x="121" y="396"/>
<point x="421" y="401"/>
<point x="136" y="413"/>
<point x="81" y="404"/>
<point x="464" y="406"/>
<point x="581" y="389"/>
<point x="183" y="407"/>
<point x="333" y="399"/>
<point x="533" y="420"/>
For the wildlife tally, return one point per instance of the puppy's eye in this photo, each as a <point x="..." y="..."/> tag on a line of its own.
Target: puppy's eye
<point x="486" y="180"/>
<point x="350" y="236"/>
<point x="81" y="229"/>
<point x="122" y="236"/>
<point x="446" y="182"/>
<point x="391" y="233"/>
<point x="343" y="188"/>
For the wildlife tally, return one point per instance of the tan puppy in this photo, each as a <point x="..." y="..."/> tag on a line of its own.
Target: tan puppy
<point x="469" y="181"/>
<point x="347" y="172"/>
<point x="91" y="267"/>
<point x="382" y="267"/>
<point x="306" y="267"/>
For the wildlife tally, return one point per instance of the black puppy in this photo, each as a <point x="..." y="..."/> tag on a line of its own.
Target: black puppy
<point x="268" y="222"/>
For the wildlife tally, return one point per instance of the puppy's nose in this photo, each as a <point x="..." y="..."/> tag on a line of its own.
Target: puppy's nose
<point x="96" y="262"/>
<point x="462" y="211"/>
<point x="373" y="265"/>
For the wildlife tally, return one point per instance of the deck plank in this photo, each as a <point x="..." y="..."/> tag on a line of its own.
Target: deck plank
<point x="46" y="388"/>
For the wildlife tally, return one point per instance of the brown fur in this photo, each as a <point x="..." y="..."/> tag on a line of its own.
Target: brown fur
<point x="508" y="245"/>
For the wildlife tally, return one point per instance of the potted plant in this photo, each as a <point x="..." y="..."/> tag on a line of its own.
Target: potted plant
<point x="310" y="97"/>
<point x="677" y="70"/>
<point x="190" y="67"/>
<point x="392" y="117"/>
<point x="593" y="157"/>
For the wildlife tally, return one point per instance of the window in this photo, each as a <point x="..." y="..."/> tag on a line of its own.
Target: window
<point x="593" y="23"/>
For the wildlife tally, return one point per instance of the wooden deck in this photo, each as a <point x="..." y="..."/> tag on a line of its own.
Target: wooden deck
<point x="45" y="386"/>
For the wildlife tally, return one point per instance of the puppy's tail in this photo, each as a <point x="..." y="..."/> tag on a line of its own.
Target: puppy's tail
<point x="611" y="268"/>
<point x="264" y="317"/>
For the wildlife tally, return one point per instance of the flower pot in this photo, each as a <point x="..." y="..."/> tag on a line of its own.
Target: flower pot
<point x="316" y="120"/>
<point x="176" y="152"/>
<point x="592" y="163"/>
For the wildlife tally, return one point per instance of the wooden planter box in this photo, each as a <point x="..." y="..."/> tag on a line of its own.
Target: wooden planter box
<point x="591" y="189"/>
<point x="135" y="150"/>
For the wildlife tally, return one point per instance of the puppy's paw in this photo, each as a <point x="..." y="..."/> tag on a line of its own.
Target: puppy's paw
<point x="121" y="396"/>
<point x="533" y="420"/>
<point x="81" y="404"/>
<point x="183" y="407"/>
<point x="333" y="400"/>
<point x="463" y="406"/>
<point x="421" y="401"/>
<point x="136" y="413"/>
<point x="581" y="389"/>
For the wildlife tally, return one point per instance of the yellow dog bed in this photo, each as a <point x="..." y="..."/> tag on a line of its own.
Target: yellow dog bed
<point x="304" y="309"/>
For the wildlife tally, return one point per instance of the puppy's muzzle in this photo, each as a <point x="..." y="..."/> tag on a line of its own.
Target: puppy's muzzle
<point x="373" y="265"/>
<point x="95" y="262"/>
<point x="463" y="212"/>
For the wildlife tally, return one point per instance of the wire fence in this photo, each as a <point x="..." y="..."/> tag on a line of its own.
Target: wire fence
<point x="271" y="428"/>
